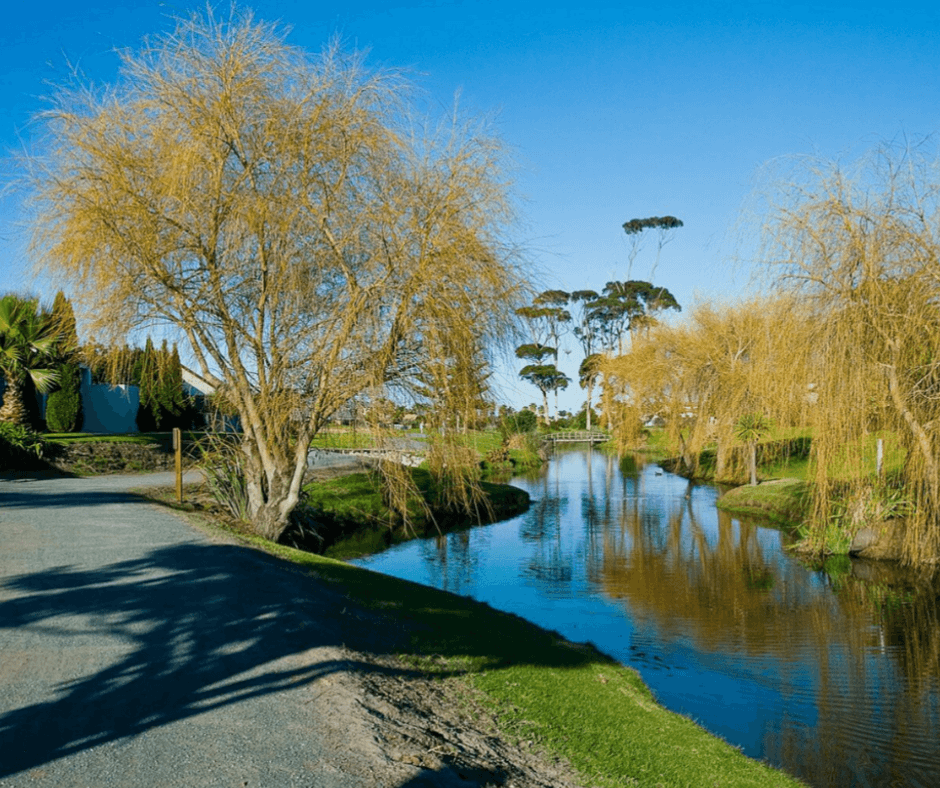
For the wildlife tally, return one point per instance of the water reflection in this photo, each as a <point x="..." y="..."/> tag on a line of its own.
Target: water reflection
<point x="832" y="673"/>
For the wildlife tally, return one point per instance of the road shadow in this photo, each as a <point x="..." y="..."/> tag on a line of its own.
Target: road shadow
<point x="185" y="630"/>
<point x="13" y="498"/>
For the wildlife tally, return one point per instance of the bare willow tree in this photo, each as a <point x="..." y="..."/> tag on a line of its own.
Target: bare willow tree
<point x="860" y="243"/>
<point x="289" y="217"/>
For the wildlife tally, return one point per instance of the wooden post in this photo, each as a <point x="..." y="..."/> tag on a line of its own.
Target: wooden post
<point x="178" y="450"/>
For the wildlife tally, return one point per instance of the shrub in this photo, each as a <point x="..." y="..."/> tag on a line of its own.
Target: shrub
<point x="223" y="465"/>
<point x="521" y="422"/>
<point x="20" y="447"/>
<point x="64" y="406"/>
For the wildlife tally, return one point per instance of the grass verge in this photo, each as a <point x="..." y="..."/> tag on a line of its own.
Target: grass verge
<point x="567" y="697"/>
<point x="163" y="439"/>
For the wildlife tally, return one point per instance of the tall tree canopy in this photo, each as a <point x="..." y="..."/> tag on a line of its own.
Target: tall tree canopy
<point x="547" y="320"/>
<point x="625" y="307"/>
<point x="291" y="217"/>
<point x="636" y="229"/>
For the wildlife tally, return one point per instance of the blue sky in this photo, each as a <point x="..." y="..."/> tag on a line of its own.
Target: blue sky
<point x="613" y="111"/>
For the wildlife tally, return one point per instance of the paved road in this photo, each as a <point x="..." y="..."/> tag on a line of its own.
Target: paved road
<point x="135" y="651"/>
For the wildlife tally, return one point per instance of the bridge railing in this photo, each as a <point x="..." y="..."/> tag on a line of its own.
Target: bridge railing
<point x="578" y="436"/>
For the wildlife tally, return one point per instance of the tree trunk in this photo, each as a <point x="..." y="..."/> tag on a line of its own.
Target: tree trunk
<point x="752" y="460"/>
<point x="587" y="407"/>
<point x="270" y="499"/>
<point x="685" y="453"/>
<point x="918" y="432"/>
<point x="270" y="522"/>
<point x="721" y="460"/>
<point x="13" y="409"/>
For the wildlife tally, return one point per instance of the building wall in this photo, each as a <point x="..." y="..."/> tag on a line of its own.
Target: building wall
<point x="109" y="409"/>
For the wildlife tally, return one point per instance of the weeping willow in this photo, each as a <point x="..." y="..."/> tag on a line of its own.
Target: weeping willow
<point x="294" y="219"/>
<point x="703" y="376"/>
<point x="859" y="244"/>
<point x="845" y="347"/>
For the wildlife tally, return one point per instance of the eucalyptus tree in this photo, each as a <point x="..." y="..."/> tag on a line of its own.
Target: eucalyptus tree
<point x="551" y="304"/>
<point x="546" y="319"/>
<point x="589" y="371"/>
<point x="635" y="229"/>
<point x="540" y="374"/>
<point x="545" y="377"/>
<point x="557" y="320"/>
<point x="289" y="216"/>
<point x="626" y="307"/>
<point x="587" y="331"/>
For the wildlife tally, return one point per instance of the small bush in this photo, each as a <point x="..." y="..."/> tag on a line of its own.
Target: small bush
<point x="518" y="423"/>
<point x="222" y="463"/>
<point x="20" y="447"/>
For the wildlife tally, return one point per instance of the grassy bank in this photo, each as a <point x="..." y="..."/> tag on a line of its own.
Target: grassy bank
<point x="354" y="520"/>
<point x="782" y="501"/>
<point x="566" y="697"/>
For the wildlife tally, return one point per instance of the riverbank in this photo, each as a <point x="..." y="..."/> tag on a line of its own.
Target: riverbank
<point x="781" y="501"/>
<point x="562" y="701"/>
<point x="353" y="519"/>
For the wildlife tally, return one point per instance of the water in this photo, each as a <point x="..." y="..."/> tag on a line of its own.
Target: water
<point x="832" y="674"/>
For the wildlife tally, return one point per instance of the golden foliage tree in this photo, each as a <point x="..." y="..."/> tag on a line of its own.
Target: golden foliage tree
<point x="291" y="218"/>
<point x="860" y="245"/>
<point x="704" y="375"/>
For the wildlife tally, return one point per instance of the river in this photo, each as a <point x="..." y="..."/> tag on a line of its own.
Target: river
<point x="831" y="673"/>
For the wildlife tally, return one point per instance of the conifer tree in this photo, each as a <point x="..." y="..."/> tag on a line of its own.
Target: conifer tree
<point x="63" y="322"/>
<point x="64" y="405"/>
<point x="173" y="401"/>
<point x="148" y="414"/>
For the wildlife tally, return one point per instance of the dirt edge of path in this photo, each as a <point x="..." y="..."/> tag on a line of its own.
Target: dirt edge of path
<point x="418" y="730"/>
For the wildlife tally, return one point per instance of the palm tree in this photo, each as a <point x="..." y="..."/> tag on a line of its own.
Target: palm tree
<point x="750" y="428"/>
<point x="27" y="340"/>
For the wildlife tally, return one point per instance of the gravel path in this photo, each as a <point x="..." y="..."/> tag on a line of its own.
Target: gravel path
<point x="137" y="651"/>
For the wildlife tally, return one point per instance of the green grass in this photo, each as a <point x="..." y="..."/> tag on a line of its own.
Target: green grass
<point x="350" y="439"/>
<point x="782" y="501"/>
<point x="356" y="521"/>
<point x="859" y="459"/>
<point x="787" y="468"/>
<point x="144" y="438"/>
<point x="569" y="698"/>
<point x="657" y="444"/>
<point x="483" y="442"/>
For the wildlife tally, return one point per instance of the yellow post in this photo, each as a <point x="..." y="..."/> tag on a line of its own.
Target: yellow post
<point x="178" y="449"/>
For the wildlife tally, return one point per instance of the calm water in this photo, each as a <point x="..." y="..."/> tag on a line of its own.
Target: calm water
<point x="833" y="675"/>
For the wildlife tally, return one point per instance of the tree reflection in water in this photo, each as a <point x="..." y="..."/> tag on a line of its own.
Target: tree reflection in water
<point x="832" y="672"/>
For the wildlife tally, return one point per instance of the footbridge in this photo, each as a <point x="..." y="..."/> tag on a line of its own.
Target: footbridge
<point x="578" y="436"/>
<point x="325" y="457"/>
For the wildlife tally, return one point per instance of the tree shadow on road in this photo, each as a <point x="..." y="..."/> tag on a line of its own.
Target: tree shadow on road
<point x="188" y="629"/>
